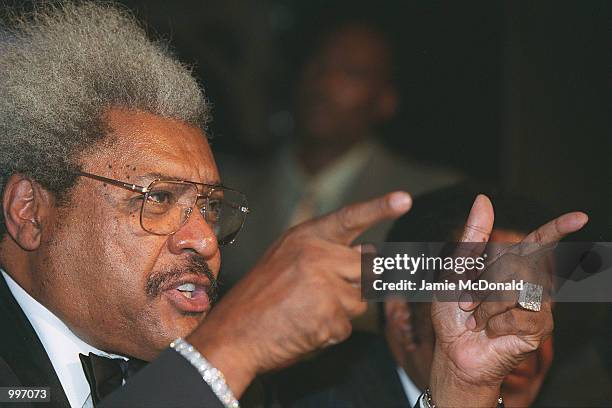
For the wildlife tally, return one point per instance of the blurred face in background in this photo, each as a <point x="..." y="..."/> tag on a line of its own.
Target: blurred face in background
<point x="345" y="87"/>
<point x="410" y="335"/>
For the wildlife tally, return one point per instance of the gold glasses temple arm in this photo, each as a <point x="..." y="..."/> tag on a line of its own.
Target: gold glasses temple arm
<point x="118" y="183"/>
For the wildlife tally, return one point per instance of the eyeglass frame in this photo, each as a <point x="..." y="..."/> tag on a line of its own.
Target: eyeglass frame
<point x="145" y="190"/>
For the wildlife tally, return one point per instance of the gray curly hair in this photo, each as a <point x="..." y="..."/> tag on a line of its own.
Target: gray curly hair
<point x="61" y="68"/>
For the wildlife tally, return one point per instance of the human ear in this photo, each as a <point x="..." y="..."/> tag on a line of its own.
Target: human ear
<point x="25" y="203"/>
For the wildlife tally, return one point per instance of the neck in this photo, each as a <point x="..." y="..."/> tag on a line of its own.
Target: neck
<point x="403" y="359"/>
<point x="315" y="157"/>
<point x="16" y="262"/>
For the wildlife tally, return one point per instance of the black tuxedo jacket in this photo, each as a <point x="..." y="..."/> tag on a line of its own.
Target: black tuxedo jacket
<point x="169" y="381"/>
<point x="359" y="373"/>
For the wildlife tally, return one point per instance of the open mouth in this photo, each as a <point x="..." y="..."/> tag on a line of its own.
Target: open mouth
<point x="190" y="296"/>
<point x="188" y="289"/>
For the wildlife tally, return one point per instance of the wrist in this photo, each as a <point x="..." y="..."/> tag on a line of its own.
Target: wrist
<point x="210" y="374"/>
<point x="226" y="356"/>
<point x="448" y="389"/>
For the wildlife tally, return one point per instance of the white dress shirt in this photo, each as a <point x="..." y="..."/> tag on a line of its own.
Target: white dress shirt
<point x="410" y="389"/>
<point x="62" y="346"/>
<point x="323" y="192"/>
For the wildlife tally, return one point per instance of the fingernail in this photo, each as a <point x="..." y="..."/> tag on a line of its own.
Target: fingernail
<point x="580" y="220"/>
<point x="471" y="322"/>
<point x="400" y="201"/>
<point x="465" y="301"/>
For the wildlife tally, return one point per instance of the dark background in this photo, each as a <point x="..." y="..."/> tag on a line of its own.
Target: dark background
<point x="513" y="93"/>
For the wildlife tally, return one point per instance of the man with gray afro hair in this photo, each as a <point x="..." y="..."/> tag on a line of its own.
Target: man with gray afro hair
<point x="113" y="215"/>
<point x="62" y="68"/>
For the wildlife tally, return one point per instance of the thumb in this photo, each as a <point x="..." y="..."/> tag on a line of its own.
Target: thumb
<point x="479" y="224"/>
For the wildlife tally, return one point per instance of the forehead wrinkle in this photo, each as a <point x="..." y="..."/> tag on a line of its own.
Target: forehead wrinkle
<point x="143" y="143"/>
<point x="156" y="161"/>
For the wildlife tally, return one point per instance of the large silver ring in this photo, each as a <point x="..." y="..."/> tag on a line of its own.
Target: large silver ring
<point x="530" y="297"/>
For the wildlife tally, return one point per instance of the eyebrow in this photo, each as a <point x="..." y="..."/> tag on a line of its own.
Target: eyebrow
<point x="163" y="176"/>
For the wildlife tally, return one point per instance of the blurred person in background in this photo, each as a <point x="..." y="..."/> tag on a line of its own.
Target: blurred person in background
<point x="345" y="92"/>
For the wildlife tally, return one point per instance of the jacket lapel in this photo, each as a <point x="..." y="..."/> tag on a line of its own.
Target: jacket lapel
<point x="23" y="356"/>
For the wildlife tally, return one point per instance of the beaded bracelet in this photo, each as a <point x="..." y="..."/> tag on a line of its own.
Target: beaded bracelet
<point x="213" y="377"/>
<point x="430" y="404"/>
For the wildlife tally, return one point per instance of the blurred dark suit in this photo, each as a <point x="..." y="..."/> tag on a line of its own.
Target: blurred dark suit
<point x="579" y="375"/>
<point x="359" y="373"/>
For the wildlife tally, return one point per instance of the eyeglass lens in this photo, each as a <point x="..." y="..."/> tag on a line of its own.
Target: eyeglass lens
<point x="168" y="205"/>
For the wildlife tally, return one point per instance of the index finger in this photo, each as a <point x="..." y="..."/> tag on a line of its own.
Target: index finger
<point x="558" y="228"/>
<point x="346" y="224"/>
<point x="543" y="241"/>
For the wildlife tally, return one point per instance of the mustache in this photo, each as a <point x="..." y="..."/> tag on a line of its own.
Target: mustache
<point x="158" y="282"/>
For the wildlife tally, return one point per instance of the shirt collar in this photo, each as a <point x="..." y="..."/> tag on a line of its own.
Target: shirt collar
<point x="60" y="343"/>
<point x="410" y="389"/>
<point x="329" y="184"/>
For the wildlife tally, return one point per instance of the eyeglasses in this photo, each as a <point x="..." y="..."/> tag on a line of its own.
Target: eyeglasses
<point x="168" y="204"/>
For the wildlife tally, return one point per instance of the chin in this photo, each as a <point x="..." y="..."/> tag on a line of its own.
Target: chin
<point x="182" y="326"/>
<point x="159" y="332"/>
<point x="162" y="336"/>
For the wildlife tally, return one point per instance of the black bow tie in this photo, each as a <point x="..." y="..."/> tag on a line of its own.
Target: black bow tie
<point x="106" y="374"/>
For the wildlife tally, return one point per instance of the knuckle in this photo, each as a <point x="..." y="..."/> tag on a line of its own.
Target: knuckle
<point x="357" y="307"/>
<point x="383" y="205"/>
<point x="323" y="334"/>
<point x="309" y="253"/>
<point x="495" y="325"/>
<point x="290" y="240"/>
<point x="538" y="236"/>
<point x="327" y="307"/>
<point x="482" y="312"/>
<point x="550" y="326"/>
<point x="318" y="285"/>
<point x="511" y="318"/>
<point x="533" y="321"/>
<point x="294" y="232"/>
<point x="335" y="329"/>
<point x="518" y="266"/>
<point x="345" y="330"/>
<point x="361" y="308"/>
<point x="512" y="260"/>
<point x="345" y="218"/>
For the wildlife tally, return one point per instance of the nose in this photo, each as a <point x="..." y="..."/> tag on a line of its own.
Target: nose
<point x="195" y="235"/>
